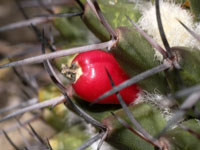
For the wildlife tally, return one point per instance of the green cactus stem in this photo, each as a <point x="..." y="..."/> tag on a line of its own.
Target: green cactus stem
<point x="194" y="4"/>
<point x="115" y="12"/>
<point x="136" y="55"/>
<point x="181" y="139"/>
<point x="120" y="137"/>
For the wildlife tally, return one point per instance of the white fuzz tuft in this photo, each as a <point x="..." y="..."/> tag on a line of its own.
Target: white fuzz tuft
<point x="175" y="33"/>
<point x="157" y="100"/>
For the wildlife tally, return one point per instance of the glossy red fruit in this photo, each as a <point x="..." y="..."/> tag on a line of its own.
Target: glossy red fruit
<point x="94" y="80"/>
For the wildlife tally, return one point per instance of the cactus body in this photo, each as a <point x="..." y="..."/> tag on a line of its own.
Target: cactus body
<point x="135" y="55"/>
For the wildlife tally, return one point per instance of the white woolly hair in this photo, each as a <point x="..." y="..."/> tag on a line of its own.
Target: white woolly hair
<point x="157" y="100"/>
<point x="175" y="33"/>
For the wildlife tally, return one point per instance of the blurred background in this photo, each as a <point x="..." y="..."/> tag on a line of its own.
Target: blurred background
<point x="12" y="91"/>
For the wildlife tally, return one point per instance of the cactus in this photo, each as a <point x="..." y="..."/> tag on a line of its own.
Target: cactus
<point x="163" y="63"/>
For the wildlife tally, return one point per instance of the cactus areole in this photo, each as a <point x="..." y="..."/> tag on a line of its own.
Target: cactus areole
<point x="90" y="80"/>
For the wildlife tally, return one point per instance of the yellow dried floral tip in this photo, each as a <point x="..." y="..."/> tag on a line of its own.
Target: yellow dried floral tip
<point x="186" y="4"/>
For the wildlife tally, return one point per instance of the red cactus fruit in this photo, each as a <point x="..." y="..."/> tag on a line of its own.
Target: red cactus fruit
<point x="90" y="79"/>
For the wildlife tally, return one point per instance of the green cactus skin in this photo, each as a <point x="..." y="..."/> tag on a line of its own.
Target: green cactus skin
<point x="136" y="55"/>
<point x="183" y="140"/>
<point x="120" y="137"/>
<point x="73" y="30"/>
<point x="115" y="12"/>
<point x="190" y="69"/>
<point x="189" y="62"/>
<point x="189" y="73"/>
<point x="194" y="4"/>
<point x="93" y="24"/>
